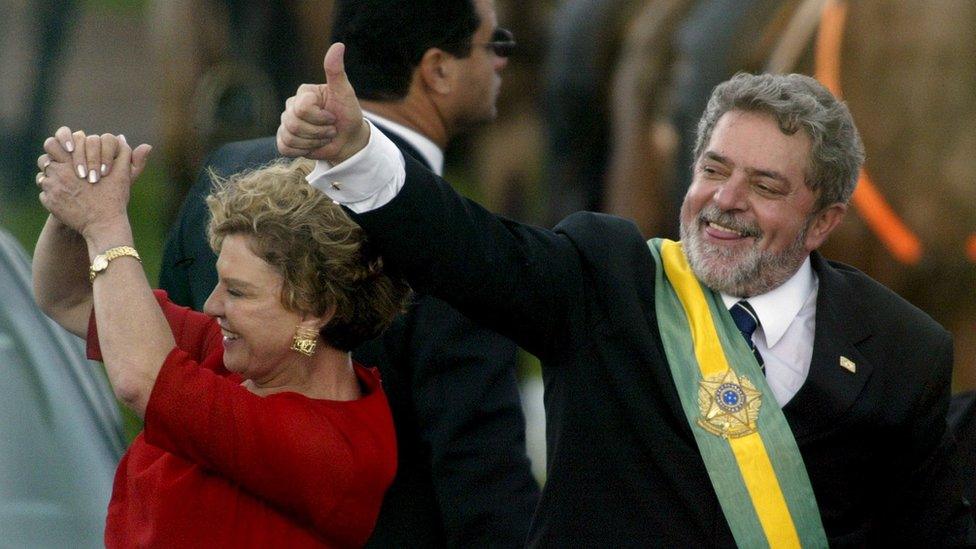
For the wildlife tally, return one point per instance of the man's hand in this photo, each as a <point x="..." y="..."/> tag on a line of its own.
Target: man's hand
<point x="324" y="121"/>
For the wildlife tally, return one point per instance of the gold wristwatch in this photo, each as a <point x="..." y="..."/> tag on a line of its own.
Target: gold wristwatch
<point x="101" y="261"/>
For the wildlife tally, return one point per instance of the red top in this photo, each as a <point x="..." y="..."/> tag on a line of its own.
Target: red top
<point x="219" y="466"/>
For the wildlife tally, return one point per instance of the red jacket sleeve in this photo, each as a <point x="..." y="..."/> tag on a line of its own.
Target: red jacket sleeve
<point x="196" y="333"/>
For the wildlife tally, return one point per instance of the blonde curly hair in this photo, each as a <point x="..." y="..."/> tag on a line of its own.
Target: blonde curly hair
<point x="321" y="253"/>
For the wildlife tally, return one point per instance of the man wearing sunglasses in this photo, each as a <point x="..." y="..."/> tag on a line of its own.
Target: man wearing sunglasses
<point x="427" y="70"/>
<point x="436" y="72"/>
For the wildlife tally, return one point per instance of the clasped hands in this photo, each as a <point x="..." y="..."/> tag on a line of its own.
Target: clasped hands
<point x="85" y="179"/>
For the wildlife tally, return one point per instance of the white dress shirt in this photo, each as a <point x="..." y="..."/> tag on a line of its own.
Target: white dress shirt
<point x="427" y="148"/>
<point x="366" y="180"/>
<point x="787" y="315"/>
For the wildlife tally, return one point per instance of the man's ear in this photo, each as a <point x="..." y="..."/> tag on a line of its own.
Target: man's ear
<point x="437" y="71"/>
<point x="823" y="223"/>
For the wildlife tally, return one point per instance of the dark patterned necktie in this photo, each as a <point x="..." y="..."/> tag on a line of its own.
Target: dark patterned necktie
<point x="746" y="320"/>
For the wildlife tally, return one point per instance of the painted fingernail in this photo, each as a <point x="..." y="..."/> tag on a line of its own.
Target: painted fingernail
<point x="69" y="146"/>
<point x="93" y="176"/>
<point x="81" y="171"/>
<point x="104" y="169"/>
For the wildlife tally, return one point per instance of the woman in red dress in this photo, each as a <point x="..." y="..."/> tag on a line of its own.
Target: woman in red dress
<point x="259" y="428"/>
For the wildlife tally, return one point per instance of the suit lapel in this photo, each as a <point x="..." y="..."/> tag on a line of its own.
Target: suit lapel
<point x="830" y="389"/>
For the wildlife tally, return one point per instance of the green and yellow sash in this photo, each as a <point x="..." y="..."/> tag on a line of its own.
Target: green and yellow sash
<point x="749" y="451"/>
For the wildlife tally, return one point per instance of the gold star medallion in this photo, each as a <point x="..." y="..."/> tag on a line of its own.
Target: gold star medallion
<point x="729" y="405"/>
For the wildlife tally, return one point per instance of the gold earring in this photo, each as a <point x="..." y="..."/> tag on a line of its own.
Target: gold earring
<point x="305" y="340"/>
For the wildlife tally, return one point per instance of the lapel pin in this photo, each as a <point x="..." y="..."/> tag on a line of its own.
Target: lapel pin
<point x="848" y="364"/>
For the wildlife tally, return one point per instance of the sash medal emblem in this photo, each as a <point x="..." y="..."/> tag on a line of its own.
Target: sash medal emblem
<point x="729" y="405"/>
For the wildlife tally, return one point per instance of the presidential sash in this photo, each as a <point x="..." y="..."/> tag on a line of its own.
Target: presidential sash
<point x="748" y="448"/>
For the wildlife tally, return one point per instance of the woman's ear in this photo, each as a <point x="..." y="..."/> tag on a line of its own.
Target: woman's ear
<point x="317" y="322"/>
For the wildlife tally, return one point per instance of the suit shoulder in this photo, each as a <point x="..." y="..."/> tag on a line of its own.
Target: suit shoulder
<point x="603" y="238"/>
<point x="614" y="258"/>
<point x="229" y="159"/>
<point x="898" y="314"/>
<point x="592" y="227"/>
<point x="241" y="155"/>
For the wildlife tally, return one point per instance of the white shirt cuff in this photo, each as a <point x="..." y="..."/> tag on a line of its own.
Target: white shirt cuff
<point x="365" y="181"/>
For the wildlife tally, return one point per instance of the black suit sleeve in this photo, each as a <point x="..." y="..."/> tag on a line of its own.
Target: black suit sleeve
<point x="521" y="281"/>
<point x="927" y="503"/>
<point x="962" y="422"/>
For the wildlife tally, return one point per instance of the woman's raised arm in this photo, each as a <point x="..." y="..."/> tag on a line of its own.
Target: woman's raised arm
<point x="89" y="223"/>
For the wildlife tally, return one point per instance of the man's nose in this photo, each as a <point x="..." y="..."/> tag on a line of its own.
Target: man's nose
<point x="733" y="194"/>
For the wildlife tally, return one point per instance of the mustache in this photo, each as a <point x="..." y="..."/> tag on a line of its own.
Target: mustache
<point x="713" y="214"/>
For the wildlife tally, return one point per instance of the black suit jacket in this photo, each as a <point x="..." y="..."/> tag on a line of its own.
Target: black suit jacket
<point x="463" y="478"/>
<point x="962" y="422"/>
<point x="624" y="468"/>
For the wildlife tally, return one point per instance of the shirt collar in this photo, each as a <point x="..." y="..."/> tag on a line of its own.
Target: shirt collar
<point x="427" y="148"/>
<point x="778" y="307"/>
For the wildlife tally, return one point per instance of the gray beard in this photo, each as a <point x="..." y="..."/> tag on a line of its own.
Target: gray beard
<point x="741" y="275"/>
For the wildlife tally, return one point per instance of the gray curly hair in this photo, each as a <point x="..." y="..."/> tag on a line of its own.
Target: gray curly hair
<point x="796" y="102"/>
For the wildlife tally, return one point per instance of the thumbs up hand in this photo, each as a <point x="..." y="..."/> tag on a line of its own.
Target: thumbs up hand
<point x="324" y="121"/>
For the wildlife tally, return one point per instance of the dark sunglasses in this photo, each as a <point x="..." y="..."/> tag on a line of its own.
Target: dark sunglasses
<point x="502" y="42"/>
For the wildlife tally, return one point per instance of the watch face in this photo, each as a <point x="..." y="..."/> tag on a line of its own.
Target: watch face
<point x="99" y="263"/>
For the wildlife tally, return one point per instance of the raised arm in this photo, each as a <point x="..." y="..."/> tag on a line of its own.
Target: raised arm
<point x="60" y="265"/>
<point x="88" y="218"/>
<point x="515" y="279"/>
<point x="60" y="268"/>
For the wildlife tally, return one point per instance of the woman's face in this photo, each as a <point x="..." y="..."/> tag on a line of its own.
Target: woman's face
<point x="246" y="302"/>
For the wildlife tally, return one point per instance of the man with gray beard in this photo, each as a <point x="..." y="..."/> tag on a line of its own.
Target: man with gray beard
<point x="732" y="389"/>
